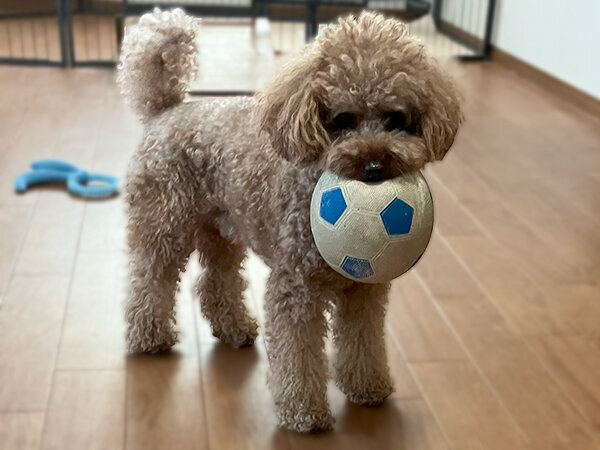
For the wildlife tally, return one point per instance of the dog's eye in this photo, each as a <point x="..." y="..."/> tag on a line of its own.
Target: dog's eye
<point x="343" y="121"/>
<point x="396" y="120"/>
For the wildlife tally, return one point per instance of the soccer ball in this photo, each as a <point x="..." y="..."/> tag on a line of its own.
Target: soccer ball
<point x="371" y="232"/>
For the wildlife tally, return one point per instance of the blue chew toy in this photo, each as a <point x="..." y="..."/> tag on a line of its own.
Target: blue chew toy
<point x="52" y="170"/>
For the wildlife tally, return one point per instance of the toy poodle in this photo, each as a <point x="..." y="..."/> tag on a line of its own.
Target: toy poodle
<point x="221" y="176"/>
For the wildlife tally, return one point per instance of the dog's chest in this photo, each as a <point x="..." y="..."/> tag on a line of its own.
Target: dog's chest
<point x="271" y="211"/>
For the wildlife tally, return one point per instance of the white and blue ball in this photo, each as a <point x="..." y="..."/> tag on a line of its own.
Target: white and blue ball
<point x="371" y="232"/>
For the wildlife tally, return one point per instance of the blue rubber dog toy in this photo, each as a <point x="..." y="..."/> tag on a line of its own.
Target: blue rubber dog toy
<point x="52" y="170"/>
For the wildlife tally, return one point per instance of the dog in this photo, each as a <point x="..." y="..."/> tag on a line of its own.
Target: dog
<point x="220" y="176"/>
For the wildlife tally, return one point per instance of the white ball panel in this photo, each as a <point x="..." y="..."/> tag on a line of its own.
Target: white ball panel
<point x="328" y="239"/>
<point x="369" y="196"/>
<point x="398" y="257"/>
<point x="364" y="234"/>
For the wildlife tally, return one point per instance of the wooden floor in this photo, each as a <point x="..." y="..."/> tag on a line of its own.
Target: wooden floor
<point x="493" y="339"/>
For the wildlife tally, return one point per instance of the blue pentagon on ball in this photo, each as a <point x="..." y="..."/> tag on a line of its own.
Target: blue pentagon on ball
<point x="333" y="205"/>
<point x="357" y="267"/>
<point x="397" y="217"/>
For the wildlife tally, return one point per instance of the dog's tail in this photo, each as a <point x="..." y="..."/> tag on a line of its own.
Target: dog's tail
<point x="158" y="61"/>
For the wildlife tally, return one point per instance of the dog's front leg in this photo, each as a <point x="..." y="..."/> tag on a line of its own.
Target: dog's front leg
<point x="361" y="368"/>
<point x="295" y="333"/>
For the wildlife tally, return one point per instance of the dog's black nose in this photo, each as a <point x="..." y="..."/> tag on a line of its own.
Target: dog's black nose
<point x="374" y="171"/>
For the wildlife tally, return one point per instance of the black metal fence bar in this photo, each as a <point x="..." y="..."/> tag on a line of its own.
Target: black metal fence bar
<point x="27" y="14"/>
<point x="135" y="9"/>
<point x="489" y="27"/>
<point x="62" y="9"/>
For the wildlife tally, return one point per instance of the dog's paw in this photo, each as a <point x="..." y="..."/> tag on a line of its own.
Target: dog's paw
<point x="238" y="336"/>
<point x="154" y="342"/>
<point x="372" y="392"/>
<point x="369" y="398"/>
<point x="306" y="421"/>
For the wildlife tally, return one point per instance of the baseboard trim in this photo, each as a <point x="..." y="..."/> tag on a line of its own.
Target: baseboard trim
<point x="558" y="87"/>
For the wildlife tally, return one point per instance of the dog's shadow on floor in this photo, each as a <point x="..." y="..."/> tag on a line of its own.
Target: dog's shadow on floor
<point x="383" y="425"/>
<point x="242" y="373"/>
<point x="236" y="380"/>
<point x="154" y="386"/>
<point x="357" y="427"/>
<point x="231" y="366"/>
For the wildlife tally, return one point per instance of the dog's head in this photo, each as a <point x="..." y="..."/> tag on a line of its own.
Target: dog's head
<point x="365" y="100"/>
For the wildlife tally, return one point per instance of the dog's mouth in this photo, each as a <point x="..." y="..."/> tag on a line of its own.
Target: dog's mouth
<point x="376" y="170"/>
<point x="374" y="163"/>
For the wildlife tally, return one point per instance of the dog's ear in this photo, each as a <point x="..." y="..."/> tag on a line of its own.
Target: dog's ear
<point x="442" y="115"/>
<point x="291" y="112"/>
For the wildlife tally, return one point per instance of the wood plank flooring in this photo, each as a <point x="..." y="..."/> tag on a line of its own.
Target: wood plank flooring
<point x="494" y="337"/>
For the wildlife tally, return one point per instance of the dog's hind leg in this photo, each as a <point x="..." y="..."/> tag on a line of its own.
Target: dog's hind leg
<point x="161" y="219"/>
<point x="221" y="289"/>
<point x="157" y="256"/>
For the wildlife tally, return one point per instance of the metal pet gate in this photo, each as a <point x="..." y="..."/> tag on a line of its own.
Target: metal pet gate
<point x="88" y="32"/>
<point x="33" y="33"/>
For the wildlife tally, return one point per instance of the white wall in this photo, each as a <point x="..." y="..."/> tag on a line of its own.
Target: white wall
<point x="560" y="37"/>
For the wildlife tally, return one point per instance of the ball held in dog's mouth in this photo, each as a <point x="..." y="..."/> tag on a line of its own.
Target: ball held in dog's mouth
<point x="371" y="232"/>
